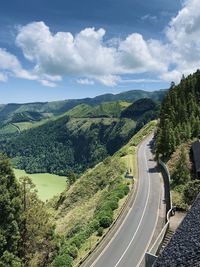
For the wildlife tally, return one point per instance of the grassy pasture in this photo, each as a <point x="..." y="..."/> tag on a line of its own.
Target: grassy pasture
<point x="48" y="185"/>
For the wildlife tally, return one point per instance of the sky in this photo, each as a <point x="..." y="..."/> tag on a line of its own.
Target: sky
<point x="53" y="50"/>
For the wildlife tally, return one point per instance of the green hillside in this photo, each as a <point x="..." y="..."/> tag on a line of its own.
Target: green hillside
<point x="179" y="126"/>
<point x="85" y="211"/>
<point x="10" y="111"/>
<point x="109" y="109"/>
<point x="65" y="144"/>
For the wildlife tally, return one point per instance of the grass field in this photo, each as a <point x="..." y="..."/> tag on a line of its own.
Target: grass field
<point x="48" y="185"/>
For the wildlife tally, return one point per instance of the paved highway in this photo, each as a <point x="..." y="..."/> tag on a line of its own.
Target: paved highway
<point x="128" y="246"/>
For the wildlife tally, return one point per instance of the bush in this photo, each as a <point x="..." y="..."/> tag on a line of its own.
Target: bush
<point x="63" y="261"/>
<point x="69" y="249"/>
<point x="113" y="204"/>
<point x="100" y="231"/>
<point x="74" y="230"/>
<point x="105" y="221"/>
<point x="94" y="225"/>
<point x="191" y="191"/>
<point x="79" y="239"/>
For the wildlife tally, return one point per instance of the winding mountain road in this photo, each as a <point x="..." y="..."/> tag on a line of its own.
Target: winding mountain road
<point x="127" y="248"/>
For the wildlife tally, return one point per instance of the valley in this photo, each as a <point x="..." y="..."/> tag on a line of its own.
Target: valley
<point x="48" y="185"/>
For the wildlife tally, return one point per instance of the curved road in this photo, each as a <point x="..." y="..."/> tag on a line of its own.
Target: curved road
<point x="128" y="246"/>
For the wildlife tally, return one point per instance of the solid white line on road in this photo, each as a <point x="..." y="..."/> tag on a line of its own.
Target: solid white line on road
<point x="93" y="264"/>
<point x="141" y="217"/>
<point x="152" y="232"/>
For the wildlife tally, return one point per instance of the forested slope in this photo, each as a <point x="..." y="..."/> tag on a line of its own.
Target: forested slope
<point x="180" y="115"/>
<point x="66" y="144"/>
<point x="180" y="126"/>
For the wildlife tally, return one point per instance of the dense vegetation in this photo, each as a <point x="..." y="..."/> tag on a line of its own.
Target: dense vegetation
<point x="180" y="115"/>
<point x="179" y="126"/>
<point x="10" y="212"/>
<point x="67" y="144"/>
<point x="25" y="230"/>
<point x="142" y="111"/>
<point x="60" y="232"/>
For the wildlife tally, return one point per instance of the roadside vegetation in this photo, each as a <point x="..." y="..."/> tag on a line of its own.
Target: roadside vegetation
<point x="85" y="211"/>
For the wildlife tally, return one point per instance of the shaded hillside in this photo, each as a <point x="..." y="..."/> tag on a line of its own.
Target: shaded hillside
<point x="67" y="144"/>
<point x="142" y="111"/>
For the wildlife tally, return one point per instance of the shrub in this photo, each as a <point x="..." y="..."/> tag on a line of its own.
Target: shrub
<point x="105" y="221"/>
<point x="63" y="261"/>
<point x="69" y="249"/>
<point x="79" y="239"/>
<point x="94" y="225"/>
<point x="100" y="231"/>
<point x="113" y="204"/>
<point x="74" y="230"/>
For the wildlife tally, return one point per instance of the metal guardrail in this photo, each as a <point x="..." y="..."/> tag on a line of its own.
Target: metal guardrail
<point x="151" y="256"/>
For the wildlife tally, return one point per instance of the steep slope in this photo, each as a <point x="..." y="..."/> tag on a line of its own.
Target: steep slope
<point x="86" y="210"/>
<point x="180" y="126"/>
<point x="180" y="115"/>
<point x="66" y="144"/>
<point x="142" y="111"/>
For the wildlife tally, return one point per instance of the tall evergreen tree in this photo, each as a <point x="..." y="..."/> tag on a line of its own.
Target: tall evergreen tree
<point x="36" y="242"/>
<point x="181" y="175"/>
<point x="10" y="212"/>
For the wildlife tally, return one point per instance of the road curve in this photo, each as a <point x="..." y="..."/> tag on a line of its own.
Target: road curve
<point x="129" y="245"/>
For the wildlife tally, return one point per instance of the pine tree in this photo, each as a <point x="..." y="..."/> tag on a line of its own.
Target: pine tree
<point x="181" y="174"/>
<point x="36" y="229"/>
<point x="10" y="212"/>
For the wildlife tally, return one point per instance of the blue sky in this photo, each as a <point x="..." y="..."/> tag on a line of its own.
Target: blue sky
<point x="51" y="50"/>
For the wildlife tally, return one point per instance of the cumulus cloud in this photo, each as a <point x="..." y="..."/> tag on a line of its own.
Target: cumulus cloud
<point x="183" y="34"/>
<point x="86" y="54"/>
<point x="89" y="55"/>
<point x="10" y="66"/>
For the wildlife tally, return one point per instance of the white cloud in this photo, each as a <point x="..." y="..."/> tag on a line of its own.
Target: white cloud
<point x="183" y="34"/>
<point x="3" y="77"/>
<point x="48" y="83"/>
<point x="149" y="17"/>
<point x="85" y="54"/>
<point x="89" y="56"/>
<point x="10" y="66"/>
<point x="140" y="81"/>
<point x="85" y="82"/>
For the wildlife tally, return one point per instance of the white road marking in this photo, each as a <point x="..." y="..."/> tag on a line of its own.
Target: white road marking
<point x="152" y="231"/>
<point x="141" y="217"/>
<point x="138" y="181"/>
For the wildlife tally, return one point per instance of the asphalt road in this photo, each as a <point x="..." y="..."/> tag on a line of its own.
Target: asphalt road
<point x="128" y="246"/>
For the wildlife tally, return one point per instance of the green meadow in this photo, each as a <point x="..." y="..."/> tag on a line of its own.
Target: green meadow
<point x="47" y="185"/>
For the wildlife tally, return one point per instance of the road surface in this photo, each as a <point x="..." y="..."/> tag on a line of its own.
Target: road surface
<point x="128" y="246"/>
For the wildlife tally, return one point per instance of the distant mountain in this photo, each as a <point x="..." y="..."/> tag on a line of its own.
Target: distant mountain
<point x="58" y="107"/>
